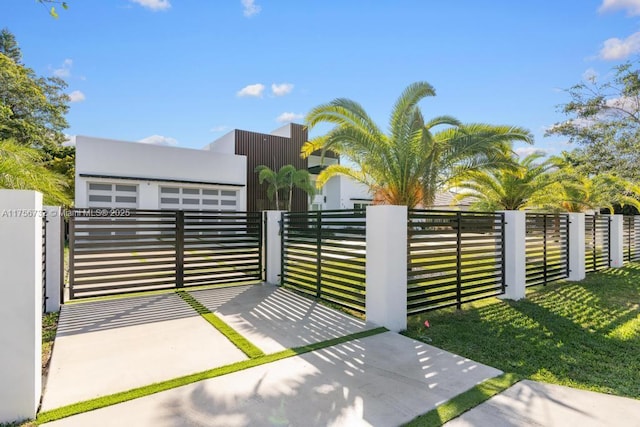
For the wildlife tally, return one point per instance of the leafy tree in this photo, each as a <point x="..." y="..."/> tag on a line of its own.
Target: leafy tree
<point x="411" y="163"/>
<point x="23" y="168"/>
<point x="32" y="109"/>
<point x="9" y="46"/>
<point x="604" y="118"/>
<point x="510" y="188"/>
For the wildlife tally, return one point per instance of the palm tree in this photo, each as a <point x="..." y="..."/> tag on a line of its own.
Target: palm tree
<point x="411" y="163"/>
<point x="510" y="188"/>
<point x="296" y="178"/>
<point x="573" y="191"/>
<point x="22" y="168"/>
<point x="286" y="177"/>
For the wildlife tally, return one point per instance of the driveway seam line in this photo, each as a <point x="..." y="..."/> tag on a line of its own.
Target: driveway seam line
<point x="243" y="344"/>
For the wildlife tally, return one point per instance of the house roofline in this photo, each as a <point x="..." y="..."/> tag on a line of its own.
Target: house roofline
<point x="139" y="178"/>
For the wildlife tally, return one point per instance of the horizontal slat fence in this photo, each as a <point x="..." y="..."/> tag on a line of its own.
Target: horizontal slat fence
<point x="597" y="230"/>
<point x="221" y="247"/>
<point x="547" y="248"/>
<point x="324" y="254"/>
<point x="122" y="250"/>
<point x="453" y="258"/>
<point x="631" y="240"/>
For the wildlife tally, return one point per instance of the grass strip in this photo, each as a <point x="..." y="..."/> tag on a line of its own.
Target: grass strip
<point x="463" y="402"/>
<point x="113" y="399"/>
<point x="232" y="335"/>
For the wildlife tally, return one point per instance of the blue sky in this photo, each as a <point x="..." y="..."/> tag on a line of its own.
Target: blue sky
<point x="186" y="71"/>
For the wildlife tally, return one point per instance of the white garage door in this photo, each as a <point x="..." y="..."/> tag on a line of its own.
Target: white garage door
<point x="105" y="195"/>
<point x="190" y="198"/>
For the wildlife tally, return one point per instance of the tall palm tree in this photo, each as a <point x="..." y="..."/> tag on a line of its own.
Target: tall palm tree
<point x="510" y="188"/>
<point x="22" y="168"/>
<point x="411" y="163"/>
<point x="275" y="181"/>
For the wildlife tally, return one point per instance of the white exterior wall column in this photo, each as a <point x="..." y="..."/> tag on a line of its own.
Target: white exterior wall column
<point x="515" y="254"/>
<point x="386" y="269"/>
<point x="616" y="241"/>
<point x="576" y="247"/>
<point x="21" y="303"/>
<point x="274" y="247"/>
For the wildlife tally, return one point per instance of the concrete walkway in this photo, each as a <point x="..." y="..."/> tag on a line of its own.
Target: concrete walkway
<point x="529" y="403"/>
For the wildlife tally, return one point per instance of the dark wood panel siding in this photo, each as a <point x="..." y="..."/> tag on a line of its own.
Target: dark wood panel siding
<point x="275" y="152"/>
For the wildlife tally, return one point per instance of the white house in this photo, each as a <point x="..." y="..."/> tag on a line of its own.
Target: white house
<point x="120" y="174"/>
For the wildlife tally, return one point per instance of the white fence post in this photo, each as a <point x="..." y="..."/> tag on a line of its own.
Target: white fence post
<point x="386" y="271"/>
<point x="515" y="235"/>
<point x="55" y="252"/>
<point x="576" y="247"/>
<point x="616" y="240"/>
<point x="21" y="303"/>
<point x="274" y="247"/>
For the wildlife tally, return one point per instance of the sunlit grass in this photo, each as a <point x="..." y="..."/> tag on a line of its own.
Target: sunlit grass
<point x="584" y="335"/>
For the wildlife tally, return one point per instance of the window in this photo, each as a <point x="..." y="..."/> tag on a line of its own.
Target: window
<point x="105" y="195"/>
<point x="192" y="198"/>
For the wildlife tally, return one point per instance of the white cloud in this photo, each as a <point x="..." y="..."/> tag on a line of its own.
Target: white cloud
<point x="252" y="90"/>
<point x="289" y="117"/>
<point x="281" y="89"/>
<point x="631" y="6"/>
<point x="250" y="8"/>
<point x="159" y="140"/>
<point x="76" y="96"/>
<point x="220" y="128"/>
<point x="526" y="151"/>
<point x="154" y="4"/>
<point x="615" y="48"/>
<point x="64" y="70"/>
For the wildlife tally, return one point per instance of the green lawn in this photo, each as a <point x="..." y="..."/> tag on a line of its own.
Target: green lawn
<point x="584" y="335"/>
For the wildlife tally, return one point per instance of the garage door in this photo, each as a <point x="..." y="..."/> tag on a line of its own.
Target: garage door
<point x="191" y="198"/>
<point x="105" y="195"/>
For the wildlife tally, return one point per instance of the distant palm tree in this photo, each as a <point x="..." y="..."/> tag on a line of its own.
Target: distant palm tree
<point x="411" y="163"/>
<point x="510" y="188"/>
<point x="22" y="168"/>
<point x="573" y="191"/>
<point x="287" y="177"/>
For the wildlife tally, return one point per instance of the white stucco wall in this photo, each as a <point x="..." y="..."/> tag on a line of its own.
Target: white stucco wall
<point x="152" y="164"/>
<point x="225" y="144"/>
<point x="284" y="131"/>
<point x="342" y="192"/>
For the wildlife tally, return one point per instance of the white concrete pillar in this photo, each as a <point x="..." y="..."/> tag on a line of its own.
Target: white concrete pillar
<point x="274" y="247"/>
<point x="515" y="231"/>
<point x="386" y="282"/>
<point x="55" y="252"/>
<point x="616" y="240"/>
<point x="20" y="304"/>
<point x="576" y="247"/>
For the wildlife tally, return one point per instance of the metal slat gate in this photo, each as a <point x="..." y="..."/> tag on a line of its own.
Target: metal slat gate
<point x="547" y="248"/>
<point x="324" y="255"/>
<point x="454" y="258"/>
<point x="115" y="251"/>
<point x="631" y="241"/>
<point x="597" y="251"/>
<point x="44" y="261"/>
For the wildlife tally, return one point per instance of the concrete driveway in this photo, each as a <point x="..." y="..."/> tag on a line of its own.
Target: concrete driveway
<point x="110" y="346"/>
